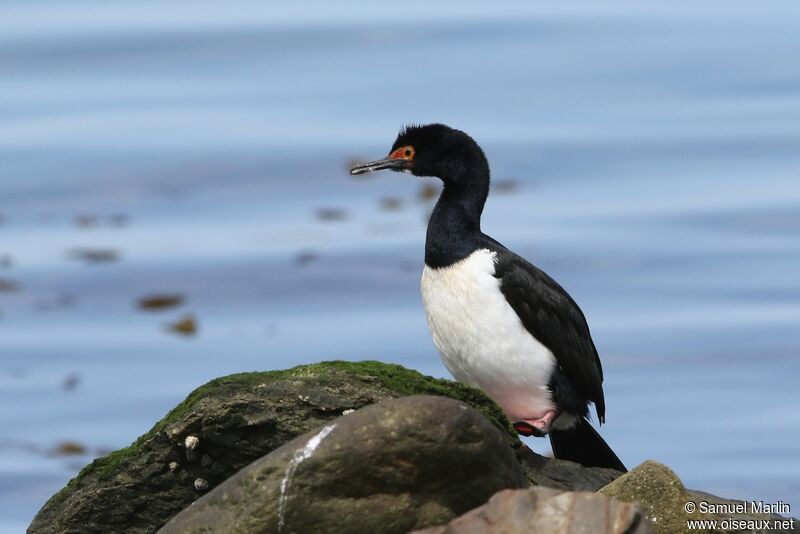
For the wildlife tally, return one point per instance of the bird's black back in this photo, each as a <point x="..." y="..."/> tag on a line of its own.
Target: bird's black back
<point x="550" y="315"/>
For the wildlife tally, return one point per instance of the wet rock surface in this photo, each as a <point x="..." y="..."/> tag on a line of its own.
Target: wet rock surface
<point x="236" y="420"/>
<point x="364" y="471"/>
<point x="562" y="474"/>
<point x="539" y="509"/>
<point x="390" y="468"/>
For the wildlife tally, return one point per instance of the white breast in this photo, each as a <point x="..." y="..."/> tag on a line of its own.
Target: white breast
<point x="482" y="340"/>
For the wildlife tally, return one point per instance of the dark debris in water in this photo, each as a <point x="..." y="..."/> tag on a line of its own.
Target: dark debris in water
<point x="8" y="286"/>
<point x="331" y="214"/>
<point x="391" y="204"/>
<point x="68" y="448"/>
<point x="85" y="221"/>
<point x="185" y="326"/>
<point x="305" y="257"/>
<point x="428" y="192"/>
<point x="6" y="261"/>
<point x="95" y="255"/>
<point x="160" y="302"/>
<point x="71" y="382"/>
<point x="508" y="185"/>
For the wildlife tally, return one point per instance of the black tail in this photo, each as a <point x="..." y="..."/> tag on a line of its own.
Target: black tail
<point x="582" y="444"/>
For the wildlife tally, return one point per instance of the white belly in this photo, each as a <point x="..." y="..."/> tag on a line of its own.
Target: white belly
<point x="482" y="340"/>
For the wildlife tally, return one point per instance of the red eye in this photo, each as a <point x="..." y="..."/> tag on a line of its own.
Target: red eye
<point x="404" y="152"/>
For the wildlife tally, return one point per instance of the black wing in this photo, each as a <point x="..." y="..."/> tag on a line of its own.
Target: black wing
<point x="552" y="317"/>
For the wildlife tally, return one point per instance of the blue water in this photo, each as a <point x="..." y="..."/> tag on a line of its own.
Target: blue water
<point x="654" y="151"/>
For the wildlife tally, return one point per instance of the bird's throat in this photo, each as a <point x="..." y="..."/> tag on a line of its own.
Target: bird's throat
<point x="454" y="228"/>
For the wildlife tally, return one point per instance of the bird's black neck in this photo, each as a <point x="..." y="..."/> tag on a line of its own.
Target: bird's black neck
<point x="454" y="229"/>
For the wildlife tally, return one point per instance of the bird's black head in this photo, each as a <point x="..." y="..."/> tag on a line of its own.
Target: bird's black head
<point x="432" y="150"/>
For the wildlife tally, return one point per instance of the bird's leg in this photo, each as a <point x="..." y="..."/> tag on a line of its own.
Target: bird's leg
<point x="539" y="426"/>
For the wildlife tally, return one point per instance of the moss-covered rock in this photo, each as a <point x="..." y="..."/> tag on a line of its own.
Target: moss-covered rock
<point x="665" y="499"/>
<point x="232" y="421"/>
<point x="658" y="489"/>
<point x="237" y="419"/>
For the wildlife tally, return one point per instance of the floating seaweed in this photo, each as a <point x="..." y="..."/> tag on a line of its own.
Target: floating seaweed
<point x="68" y="448"/>
<point x="428" y="192"/>
<point x="160" y="302"/>
<point x="185" y="326"/>
<point x="391" y="204"/>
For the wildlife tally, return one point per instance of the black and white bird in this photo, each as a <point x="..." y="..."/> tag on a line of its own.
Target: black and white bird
<point x="499" y="323"/>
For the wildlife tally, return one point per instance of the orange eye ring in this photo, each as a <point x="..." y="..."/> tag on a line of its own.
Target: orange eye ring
<point x="404" y="152"/>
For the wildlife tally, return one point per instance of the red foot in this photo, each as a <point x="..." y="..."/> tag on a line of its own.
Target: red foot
<point x="537" y="427"/>
<point x="524" y="429"/>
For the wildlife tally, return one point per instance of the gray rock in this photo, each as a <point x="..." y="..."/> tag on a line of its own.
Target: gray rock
<point x="235" y="419"/>
<point x="548" y="510"/>
<point x="240" y="418"/>
<point x="562" y="474"/>
<point x="402" y="464"/>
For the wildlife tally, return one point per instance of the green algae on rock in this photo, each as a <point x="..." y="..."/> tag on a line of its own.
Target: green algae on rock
<point x="658" y="489"/>
<point x="237" y="419"/>
<point x="661" y="492"/>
